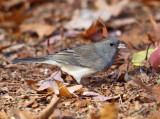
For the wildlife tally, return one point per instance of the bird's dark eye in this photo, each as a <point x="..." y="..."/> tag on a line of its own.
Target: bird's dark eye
<point x="111" y="44"/>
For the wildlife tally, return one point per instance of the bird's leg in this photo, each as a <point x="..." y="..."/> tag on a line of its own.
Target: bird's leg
<point x="64" y="74"/>
<point x="78" y="80"/>
<point x="74" y="79"/>
<point x="85" y="82"/>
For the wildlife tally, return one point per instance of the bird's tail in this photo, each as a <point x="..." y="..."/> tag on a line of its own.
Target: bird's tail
<point x="29" y="60"/>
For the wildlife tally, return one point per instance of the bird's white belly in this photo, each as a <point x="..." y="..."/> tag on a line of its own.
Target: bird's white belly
<point x="77" y="72"/>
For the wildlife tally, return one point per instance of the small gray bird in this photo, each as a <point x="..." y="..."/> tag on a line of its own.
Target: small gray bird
<point x="83" y="60"/>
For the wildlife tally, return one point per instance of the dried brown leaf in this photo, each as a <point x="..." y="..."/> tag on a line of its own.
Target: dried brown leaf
<point x="29" y="81"/>
<point x="63" y="91"/>
<point x="4" y="47"/>
<point x="3" y="115"/>
<point x="109" y="111"/>
<point x="22" y="115"/>
<point x="72" y="89"/>
<point x="156" y="29"/>
<point x="14" y="48"/>
<point x="30" y="102"/>
<point x="155" y="57"/>
<point x="153" y="90"/>
<point x="154" y="3"/>
<point x="61" y="114"/>
<point x="155" y="115"/>
<point x="98" y="97"/>
<point x="49" y="48"/>
<point x="1" y="2"/>
<point x="92" y="30"/>
<point x="17" y="16"/>
<point x="45" y="114"/>
<point x="122" y="22"/>
<point x="104" y="28"/>
<point x="156" y="92"/>
<point x="47" y="83"/>
<point x="41" y="28"/>
<point x="115" y="9"/>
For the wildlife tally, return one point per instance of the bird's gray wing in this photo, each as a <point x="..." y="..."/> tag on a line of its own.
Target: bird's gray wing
<point x="84" y="56"/>
<point x="89" y="56"/>
<point x="65" y="56"/>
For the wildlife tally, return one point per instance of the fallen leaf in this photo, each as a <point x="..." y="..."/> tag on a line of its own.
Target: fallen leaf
<point x="31" y="102"/>
<point x="14" y="48"/>
<point x="98" y="97"/>
<point x="94" y="32"/>
<point x="155" y="56"/>
<point x="49" y="83"/>
<point x="155" y="115"/>
<point x="153" y="90"/>
<point x="156" y="92"/>
<point x="115" y="9"/>
<point x="90" y="31"/>
<point x="155" y="28"/>
<point x="41" y="28"/>
<point x="154" y="3"/>
<point x="49" y="48"/>
<point x="135" y="39"/>
<point x="72" y="89"/>
<point x="29" y="81"/>
<point x="57" y="75"/>
<point x="56" y="83"/>
<point x="44" y="114"/>
<point x="109" y="111"/>
<point x="63" y="91"/>
<point x="2" y="47"/>
<point x="23" y="114"/>
<point x="1" y="2"/>
<point x="17" y="16"/>
<point x="122" y="77"/>
<point x="8" y="4"/>
<point x="139" y="57"/>
<point x="84" y="18"/>
<point x="61" y="114"/>
<point x="122" y="22"/>
<point x="3" y="115"/>
<point x="104" y="28"/>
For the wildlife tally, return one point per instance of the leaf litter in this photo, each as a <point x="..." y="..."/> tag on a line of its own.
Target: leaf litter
<point x="29" y="28"/>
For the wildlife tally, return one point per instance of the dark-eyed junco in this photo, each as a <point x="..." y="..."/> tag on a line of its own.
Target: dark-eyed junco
<point x="83" y="60"/>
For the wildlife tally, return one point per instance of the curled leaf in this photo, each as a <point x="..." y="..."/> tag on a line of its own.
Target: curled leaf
<point x="49" y="48"/>
<point x="104" y="28"/>
<point x="155" y="58"/>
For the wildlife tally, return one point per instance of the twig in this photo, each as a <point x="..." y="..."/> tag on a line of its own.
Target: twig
<point x="49" y="109"/>
<point x="147" y="51"/>
<point x="141" y="110"/>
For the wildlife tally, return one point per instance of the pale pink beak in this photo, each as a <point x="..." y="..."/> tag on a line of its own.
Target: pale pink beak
<point x="121" y="45"/>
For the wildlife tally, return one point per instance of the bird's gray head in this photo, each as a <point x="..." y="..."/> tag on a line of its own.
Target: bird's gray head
<point x="110" y="46"/>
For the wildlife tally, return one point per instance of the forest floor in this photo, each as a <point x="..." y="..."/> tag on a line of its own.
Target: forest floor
<point x="130" y="89"/>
